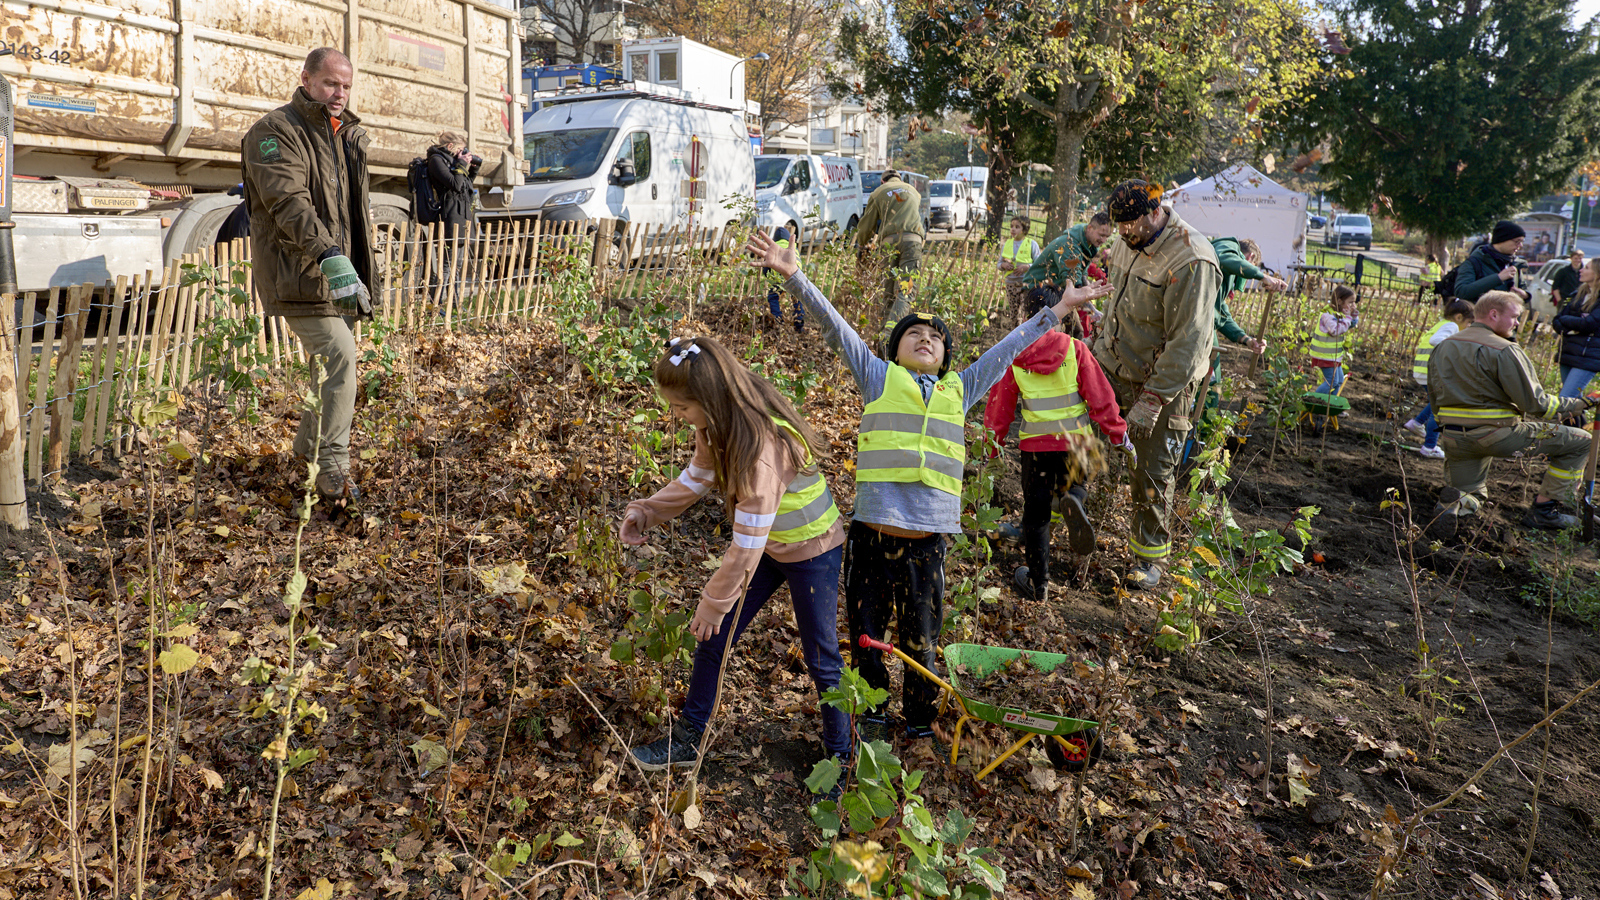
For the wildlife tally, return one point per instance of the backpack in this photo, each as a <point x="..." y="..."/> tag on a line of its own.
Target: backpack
<point x="425" y="207"/>
<point x="1445" y="287"/>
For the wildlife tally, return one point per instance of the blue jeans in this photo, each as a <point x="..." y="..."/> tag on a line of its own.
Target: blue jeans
<point x="1573" y="381"/>
<point x="1431" y="423"/>
<point x="1332" y="380"/>
<point x="775" y="304"/>
<point x="814" y="588"/>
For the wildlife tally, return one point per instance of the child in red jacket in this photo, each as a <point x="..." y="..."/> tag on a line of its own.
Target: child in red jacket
<point x="1060" y="390"/>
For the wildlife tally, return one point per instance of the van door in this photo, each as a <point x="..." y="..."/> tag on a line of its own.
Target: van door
<point x="802" y="188"/>
<point x="633" y="192"/>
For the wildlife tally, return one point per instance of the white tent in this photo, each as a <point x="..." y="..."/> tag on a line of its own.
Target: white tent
<point x="1240" y="202"/>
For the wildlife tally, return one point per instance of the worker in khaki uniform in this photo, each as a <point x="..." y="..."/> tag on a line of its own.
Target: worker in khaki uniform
<point x="893" y="218"/>
<point x="1482" y="387"/>
<point x="305" y="182"/>
<point x="1155" y="347"/>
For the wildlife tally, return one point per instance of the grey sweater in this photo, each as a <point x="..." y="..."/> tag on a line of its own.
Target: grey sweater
<point x="912" y="506"/>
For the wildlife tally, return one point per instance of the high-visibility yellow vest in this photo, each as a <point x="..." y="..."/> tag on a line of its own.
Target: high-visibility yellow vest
<point x="1051" y="403"/>
<point x="807" y="508"/>
<point x="1419" y="362"/>
<point x="1326" y="346"/>
<point x="1434" y="271"/>
<point x="904" y="440"/>
<point x="1019" y="252"/>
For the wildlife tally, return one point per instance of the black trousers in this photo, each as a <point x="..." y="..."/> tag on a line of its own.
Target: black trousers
<point x="1044" y="478"/>
<point x="900" y="579"/>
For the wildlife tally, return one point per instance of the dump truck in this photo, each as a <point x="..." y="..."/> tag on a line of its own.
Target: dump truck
<point x="129" y="116"/>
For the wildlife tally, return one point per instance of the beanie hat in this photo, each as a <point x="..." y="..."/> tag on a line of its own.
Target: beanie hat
<point x="1506" y="230"/>
<point x="892" y="348"/>
<point x="1132" y="199"/>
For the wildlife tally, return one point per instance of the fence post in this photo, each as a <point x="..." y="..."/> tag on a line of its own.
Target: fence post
<point x="13" y="491"/>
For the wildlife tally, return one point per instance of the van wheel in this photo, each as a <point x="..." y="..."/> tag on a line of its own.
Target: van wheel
<point x="850" y="227"/>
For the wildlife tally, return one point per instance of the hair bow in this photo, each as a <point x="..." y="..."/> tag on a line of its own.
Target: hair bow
<point x="678" y="358"/>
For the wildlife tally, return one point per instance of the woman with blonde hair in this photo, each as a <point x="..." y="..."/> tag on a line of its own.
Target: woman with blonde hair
<point x="1578" y="323"/>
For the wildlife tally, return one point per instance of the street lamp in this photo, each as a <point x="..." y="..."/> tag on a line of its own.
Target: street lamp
<point x="759" y="57"/>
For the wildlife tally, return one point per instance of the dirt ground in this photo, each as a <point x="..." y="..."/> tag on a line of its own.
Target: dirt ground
<point x="1284" y="756"/>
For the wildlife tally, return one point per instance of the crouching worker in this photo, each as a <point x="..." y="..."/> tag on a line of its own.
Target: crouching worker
<point x="910" y="453"/>
<point x="1483" y="391"/>
<point x="752" y="445"/>
<point x="1061" y="390"/>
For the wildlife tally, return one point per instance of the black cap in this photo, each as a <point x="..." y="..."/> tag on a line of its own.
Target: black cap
<point x="892" y="348"/>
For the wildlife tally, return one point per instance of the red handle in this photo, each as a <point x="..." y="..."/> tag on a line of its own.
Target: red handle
<point x="870" y="644"/>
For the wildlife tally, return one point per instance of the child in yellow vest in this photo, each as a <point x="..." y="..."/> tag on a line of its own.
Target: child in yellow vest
<point x="752" y="445"/>
<point x="1457" y="315"/>
<point x="910" y="451"/>
<point x="1331" y="342"/>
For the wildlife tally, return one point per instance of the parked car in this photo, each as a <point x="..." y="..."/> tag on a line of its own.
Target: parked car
<point x="977" y="179"/>
<point x="951" y="206"/>
<point x="1541" y="287"/>
<point x="1349" y="230"/>
<point x="1316" y="221"/>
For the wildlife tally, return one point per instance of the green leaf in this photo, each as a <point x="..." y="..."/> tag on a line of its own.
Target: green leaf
<point x="622" y="651"/>
<point x="178" y="659"/>
<point x="301" y="757"/>
<point x="567" y="840"/>
<point x="824" y="775"/>
<point x="295" y="589"/>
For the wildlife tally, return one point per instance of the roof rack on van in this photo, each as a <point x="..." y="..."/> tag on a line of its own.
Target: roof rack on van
<point x="574" y="93"/>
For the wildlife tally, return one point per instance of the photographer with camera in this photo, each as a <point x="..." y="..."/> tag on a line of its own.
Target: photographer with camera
<point x="1493" y="266"/>
<point x="451" y="168"/>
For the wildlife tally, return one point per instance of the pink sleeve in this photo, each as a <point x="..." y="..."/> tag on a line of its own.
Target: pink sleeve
<point x="752" y="520"/>
<point x="682" y="492"/>
<point x="1097" y="393"/>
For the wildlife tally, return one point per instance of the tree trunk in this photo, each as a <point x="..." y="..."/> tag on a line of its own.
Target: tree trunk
<point x="1436" y="246"/>
<point x="1000" y="166"/>
<point x="1070" y="132"/>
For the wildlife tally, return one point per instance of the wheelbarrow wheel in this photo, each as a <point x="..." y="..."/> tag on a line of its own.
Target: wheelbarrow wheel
<point x="1074" y="752"/>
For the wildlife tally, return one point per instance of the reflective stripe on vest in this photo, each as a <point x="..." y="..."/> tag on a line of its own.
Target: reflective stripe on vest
<point x="1326" y="346"/>
<point x="904" y="440"/>
<point x="1419" y="362"/>
<point x="1051" y="403"/>
<point x="1020" y="252"/>
<point x="1472" y="418"/>
<point x="807" y="508"/>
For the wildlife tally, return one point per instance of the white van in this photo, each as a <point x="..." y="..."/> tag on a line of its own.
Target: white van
<point x="812" y="196"/>
<point x="977" y="179"/>
<point x="949" y="205"/>
<point x="646" y="158"/>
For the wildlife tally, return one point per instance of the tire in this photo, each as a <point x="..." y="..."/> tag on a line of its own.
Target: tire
<point x="1085" y="750"/>
<point x="195" y="229"/>
<point x="388" y="224"/>
<point x="850" y="227"/>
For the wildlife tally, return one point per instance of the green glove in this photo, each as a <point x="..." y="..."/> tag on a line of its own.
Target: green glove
<point x="345" y="287"/>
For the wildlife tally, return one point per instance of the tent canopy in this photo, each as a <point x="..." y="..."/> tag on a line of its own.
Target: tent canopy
<point x="1240" y="202"/>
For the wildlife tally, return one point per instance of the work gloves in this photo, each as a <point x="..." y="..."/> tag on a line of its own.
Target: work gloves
<point x="1142" y="418"/>
<point x="345" y="287"/>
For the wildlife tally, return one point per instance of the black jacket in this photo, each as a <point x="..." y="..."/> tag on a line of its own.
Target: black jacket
<point x="451" y="186"/>
<point x="1480" y="273"/>
<point x="1580" y="336"/>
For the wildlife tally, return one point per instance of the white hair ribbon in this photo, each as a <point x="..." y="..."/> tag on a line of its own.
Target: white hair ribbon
<point x="677" y="358"/>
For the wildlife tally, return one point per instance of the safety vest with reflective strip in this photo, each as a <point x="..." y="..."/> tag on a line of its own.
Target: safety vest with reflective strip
<point x="1419" y="362"/>
<point x="1019" y="252"/>
<point x="807" y="508"/>
<point x="904" y="440"/>
<point x="1051" y="403"/>
<point x="1326" y="346"/>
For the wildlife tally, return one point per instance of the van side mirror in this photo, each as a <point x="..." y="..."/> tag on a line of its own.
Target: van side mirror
<point x="622" y="173"/>
<point x="792" y="185"/>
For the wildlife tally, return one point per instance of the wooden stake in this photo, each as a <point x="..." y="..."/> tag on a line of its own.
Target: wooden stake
<point x="13" y="485"/>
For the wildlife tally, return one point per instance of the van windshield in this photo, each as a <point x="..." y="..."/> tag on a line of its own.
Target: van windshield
<point x="769" y="171"/>
<point x="564" y="155"/>
<point x="1355" y="220"/>
<point x="940" y="189"/>
<point x="870" y="181"/>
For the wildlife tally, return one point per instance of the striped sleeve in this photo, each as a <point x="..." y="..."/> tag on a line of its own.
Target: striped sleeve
<point x="752" y="522"/>
<point x="682" y="492"/>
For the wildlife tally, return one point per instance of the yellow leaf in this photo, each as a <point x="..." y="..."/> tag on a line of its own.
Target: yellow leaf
<point x="183" y="632"/>
<point x="278" y="749"/>
<point x="322" y="890"/>
<point x="1206" y="554"/>
<point x="61" y="759"/>
<point x="1299" y="790"/>
<point x="181" y="658"/>
<point x="220" y="531"/>
<point x="1081" y="891"/>
<point x="178" y="451"/>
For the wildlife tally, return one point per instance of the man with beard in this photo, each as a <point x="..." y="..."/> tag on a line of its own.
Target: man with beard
<point x="1155" y="347"/>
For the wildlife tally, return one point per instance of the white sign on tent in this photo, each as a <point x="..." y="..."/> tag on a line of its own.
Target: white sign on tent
<point x="1240" y="202"/>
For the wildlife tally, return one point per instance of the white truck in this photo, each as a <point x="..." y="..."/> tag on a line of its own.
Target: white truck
<point x="638" y="155"/>
<point x="128" y="116"/>
<point x="977" y="179"/>
<point x="815" y="197"/>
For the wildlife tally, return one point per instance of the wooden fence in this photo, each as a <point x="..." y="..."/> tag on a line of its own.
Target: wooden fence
<point x="92" y="350"/>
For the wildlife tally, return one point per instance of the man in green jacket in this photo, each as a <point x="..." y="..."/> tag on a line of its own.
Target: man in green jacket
<point x="893" y="218"/>
<point x="305" y="178"/>
<point x="1066" y="259"/>
<point x="1155" y="347"/>
<point x="1240" y="261"/>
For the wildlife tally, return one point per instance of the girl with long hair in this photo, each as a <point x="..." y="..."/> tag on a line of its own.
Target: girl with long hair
<point x="1578" y="323"/>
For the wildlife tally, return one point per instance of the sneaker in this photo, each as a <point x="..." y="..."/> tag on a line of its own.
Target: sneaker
<point x="872" y="728"/>
<point x="1434" y="452"/>
<point x="1009" y="533"/>
<point x="1548" y="515"/>
<point x="679" y="749"/>
<point x="1414" y="425"/>
<point x="338" y="489"/>
<point x="1024" y="582"/>
<point x="1145" y="575"/>
<point x="1080" y="531"/>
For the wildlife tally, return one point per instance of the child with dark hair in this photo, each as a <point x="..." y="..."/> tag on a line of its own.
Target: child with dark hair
<point x="910" y="453"/>
<point x="1061" y="391"/>
<point x="752" y="445"/>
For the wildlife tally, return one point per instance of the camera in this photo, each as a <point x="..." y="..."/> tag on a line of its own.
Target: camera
<point x="474" y="165"/>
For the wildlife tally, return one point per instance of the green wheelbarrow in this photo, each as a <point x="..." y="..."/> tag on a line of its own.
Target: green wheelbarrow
<point x="1071" y="744"/>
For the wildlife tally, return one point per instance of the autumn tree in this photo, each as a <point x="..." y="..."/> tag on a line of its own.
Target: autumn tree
<point x="1076" y="62"/>
<point x="1448" y="116"/>
<point x="796" y="35"/>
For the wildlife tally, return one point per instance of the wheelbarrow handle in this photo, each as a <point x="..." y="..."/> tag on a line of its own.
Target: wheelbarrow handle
<point x="867" y="641"/>
<point x="882" y="647"/>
